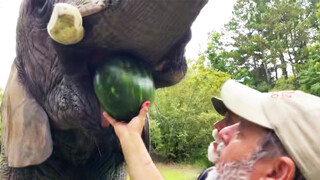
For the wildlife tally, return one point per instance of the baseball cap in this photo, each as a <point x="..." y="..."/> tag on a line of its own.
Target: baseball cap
<point x="293" y="115"/>
<point x="219" y="106"/>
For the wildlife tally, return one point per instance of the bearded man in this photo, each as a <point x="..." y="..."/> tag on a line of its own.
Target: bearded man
<point x="265" y="135"/>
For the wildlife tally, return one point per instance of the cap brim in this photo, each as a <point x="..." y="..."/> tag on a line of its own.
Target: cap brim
<point x="219" y="106"/>
<point x="245" y="102"/>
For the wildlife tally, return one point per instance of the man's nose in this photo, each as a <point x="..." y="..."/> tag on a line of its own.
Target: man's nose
<point x="228" y="133"/>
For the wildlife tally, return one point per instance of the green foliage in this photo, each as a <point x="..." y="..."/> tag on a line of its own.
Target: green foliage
<point x="310" y="74"/>
<point x="156" y="136"/>
<point x="285" y="84"/>
<point x="185" y="114"/>
<point x="244" y="76"/>
<point x="216" y="54"/>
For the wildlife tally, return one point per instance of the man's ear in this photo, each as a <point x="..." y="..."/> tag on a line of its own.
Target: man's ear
<point x="283" y="169"/>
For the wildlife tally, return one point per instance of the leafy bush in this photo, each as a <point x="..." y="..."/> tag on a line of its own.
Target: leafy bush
<point x="285" y="84"/>
<point x="185" y="115"/>
<point x="310" y="74"/>
<point x="156" y="137"/>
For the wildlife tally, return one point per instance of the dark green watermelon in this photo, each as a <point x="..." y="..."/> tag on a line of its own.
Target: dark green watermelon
<point x="122" y="84"/>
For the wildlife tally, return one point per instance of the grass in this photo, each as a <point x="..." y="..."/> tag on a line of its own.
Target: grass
<point x="178" y="171"/>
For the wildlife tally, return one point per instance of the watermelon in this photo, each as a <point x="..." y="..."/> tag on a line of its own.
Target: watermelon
<point x="122" y="84"/>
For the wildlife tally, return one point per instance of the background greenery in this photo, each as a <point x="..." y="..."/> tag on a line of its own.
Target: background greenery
<point x="268" y="45"/>
<point x="182" y="116"/>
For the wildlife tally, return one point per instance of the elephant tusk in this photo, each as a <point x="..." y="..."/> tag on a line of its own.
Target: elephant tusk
<point x="65" y="25"/>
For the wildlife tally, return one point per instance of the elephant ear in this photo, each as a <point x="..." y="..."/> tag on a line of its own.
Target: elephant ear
<point x="26" y="133"/>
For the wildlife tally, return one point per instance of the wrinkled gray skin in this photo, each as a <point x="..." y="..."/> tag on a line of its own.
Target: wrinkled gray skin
<point x="60" y="77"/>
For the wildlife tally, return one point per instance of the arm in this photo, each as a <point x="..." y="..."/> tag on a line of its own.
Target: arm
<point x="135" y="153"/>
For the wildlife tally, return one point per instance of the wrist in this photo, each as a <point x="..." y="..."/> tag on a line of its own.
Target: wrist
<point x="130" y="136"/>
<point x="134" y="149"/>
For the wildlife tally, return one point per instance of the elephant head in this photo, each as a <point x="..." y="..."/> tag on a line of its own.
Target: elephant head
<point x="50" y="92"/>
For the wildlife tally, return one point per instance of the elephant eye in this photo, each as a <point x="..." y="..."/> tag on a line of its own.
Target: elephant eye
<point x="43" y="9"/>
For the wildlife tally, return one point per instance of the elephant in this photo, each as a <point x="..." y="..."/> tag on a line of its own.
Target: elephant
<point x="51" y="118"/>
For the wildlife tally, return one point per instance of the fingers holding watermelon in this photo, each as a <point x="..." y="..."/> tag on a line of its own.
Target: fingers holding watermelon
<point x="122" y="84"/>
<point x="134" y="127"/>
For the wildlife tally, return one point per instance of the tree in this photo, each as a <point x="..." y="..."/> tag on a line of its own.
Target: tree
<point x="217" y="55"/>
<point x="269" y="39"/>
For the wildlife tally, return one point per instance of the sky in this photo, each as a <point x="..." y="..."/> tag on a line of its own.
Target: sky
<point x="212" y="17"/>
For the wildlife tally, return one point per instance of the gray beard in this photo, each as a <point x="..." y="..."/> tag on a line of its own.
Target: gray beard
<point x="239" y="170"/>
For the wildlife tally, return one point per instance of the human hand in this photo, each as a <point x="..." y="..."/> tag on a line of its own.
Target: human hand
<point x="135" y="126"/>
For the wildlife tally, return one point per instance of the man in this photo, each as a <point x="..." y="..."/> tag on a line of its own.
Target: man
<point x="273" y="136"/>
